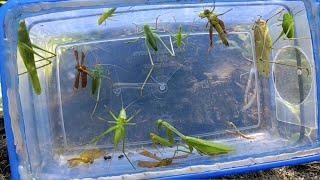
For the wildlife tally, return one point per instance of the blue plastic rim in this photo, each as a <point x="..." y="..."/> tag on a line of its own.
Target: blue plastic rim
<point x="14" y="159"/>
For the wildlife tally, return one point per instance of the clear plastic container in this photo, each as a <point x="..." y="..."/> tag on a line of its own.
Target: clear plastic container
<point x="199" y="91"/>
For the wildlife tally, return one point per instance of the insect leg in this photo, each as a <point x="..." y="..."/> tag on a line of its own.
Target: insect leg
<point x="172" y="53"/>
<point x="133" y="116"/>
<point x="112" y="122"/>
<point x="34" y="52"/>
<point x="96" y="139"/>
<point x="37" y="47"/>
<point x="211" y="38"/>
<point x="292" y="38"/>
<point x="133" y="41"/>
<point x="113" y="116"/>
<point x="102" y="119"/>
<point x="151" y="69"/>
<point x="44" y="65"/>
<point x="225" y="12"/>
<point x="123" y="143"/>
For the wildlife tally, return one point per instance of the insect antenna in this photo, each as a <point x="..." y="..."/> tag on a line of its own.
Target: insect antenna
<point x="121" y="101"/>
<point x="134" y="101"/>
<point x="225" y="12"/>
<point x="214" y="6"/>
<point x="274" y="15"/>
<point x="299" y="12"/>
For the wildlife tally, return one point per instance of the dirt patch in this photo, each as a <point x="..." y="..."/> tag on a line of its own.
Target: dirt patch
<point x="4" y="159"/>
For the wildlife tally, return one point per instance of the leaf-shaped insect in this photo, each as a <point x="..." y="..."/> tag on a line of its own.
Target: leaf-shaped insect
<point x="263" y="46"/>
<point x="108" y="14"/>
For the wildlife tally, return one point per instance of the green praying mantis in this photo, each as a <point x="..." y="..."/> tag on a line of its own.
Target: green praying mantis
<point x="151" y="42"/>
<point x="203" y="147"/>
<point x="27" y="52"/>
<point x="120" y="130"/>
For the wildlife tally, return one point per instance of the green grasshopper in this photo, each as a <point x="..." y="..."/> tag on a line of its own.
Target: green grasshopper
<point x="202" y="146"/>
<point x="215" y="23"/>
<point x="120" y="132"/>
<point x="27" y="54"/>
<point x="108" y="14"/>
<point x="151" y="41"/>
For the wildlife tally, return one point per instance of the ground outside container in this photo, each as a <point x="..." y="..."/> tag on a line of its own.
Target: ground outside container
<point x="256" y="99"/>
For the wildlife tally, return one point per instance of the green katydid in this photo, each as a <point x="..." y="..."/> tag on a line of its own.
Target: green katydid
<point x="217" y="24"/>
<point x="179" y="37"/>
<point x="97" y="75"/>
<point x="288" y="26"/>
<point x="106" y="15"/>
<point x="26" y="50"/>
<point x="202" y="146"/>
<point x="151" y="41"/>
<point x="120" y="132"/>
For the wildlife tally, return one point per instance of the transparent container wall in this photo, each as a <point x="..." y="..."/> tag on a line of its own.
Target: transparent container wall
<point x="199" y="90"/>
